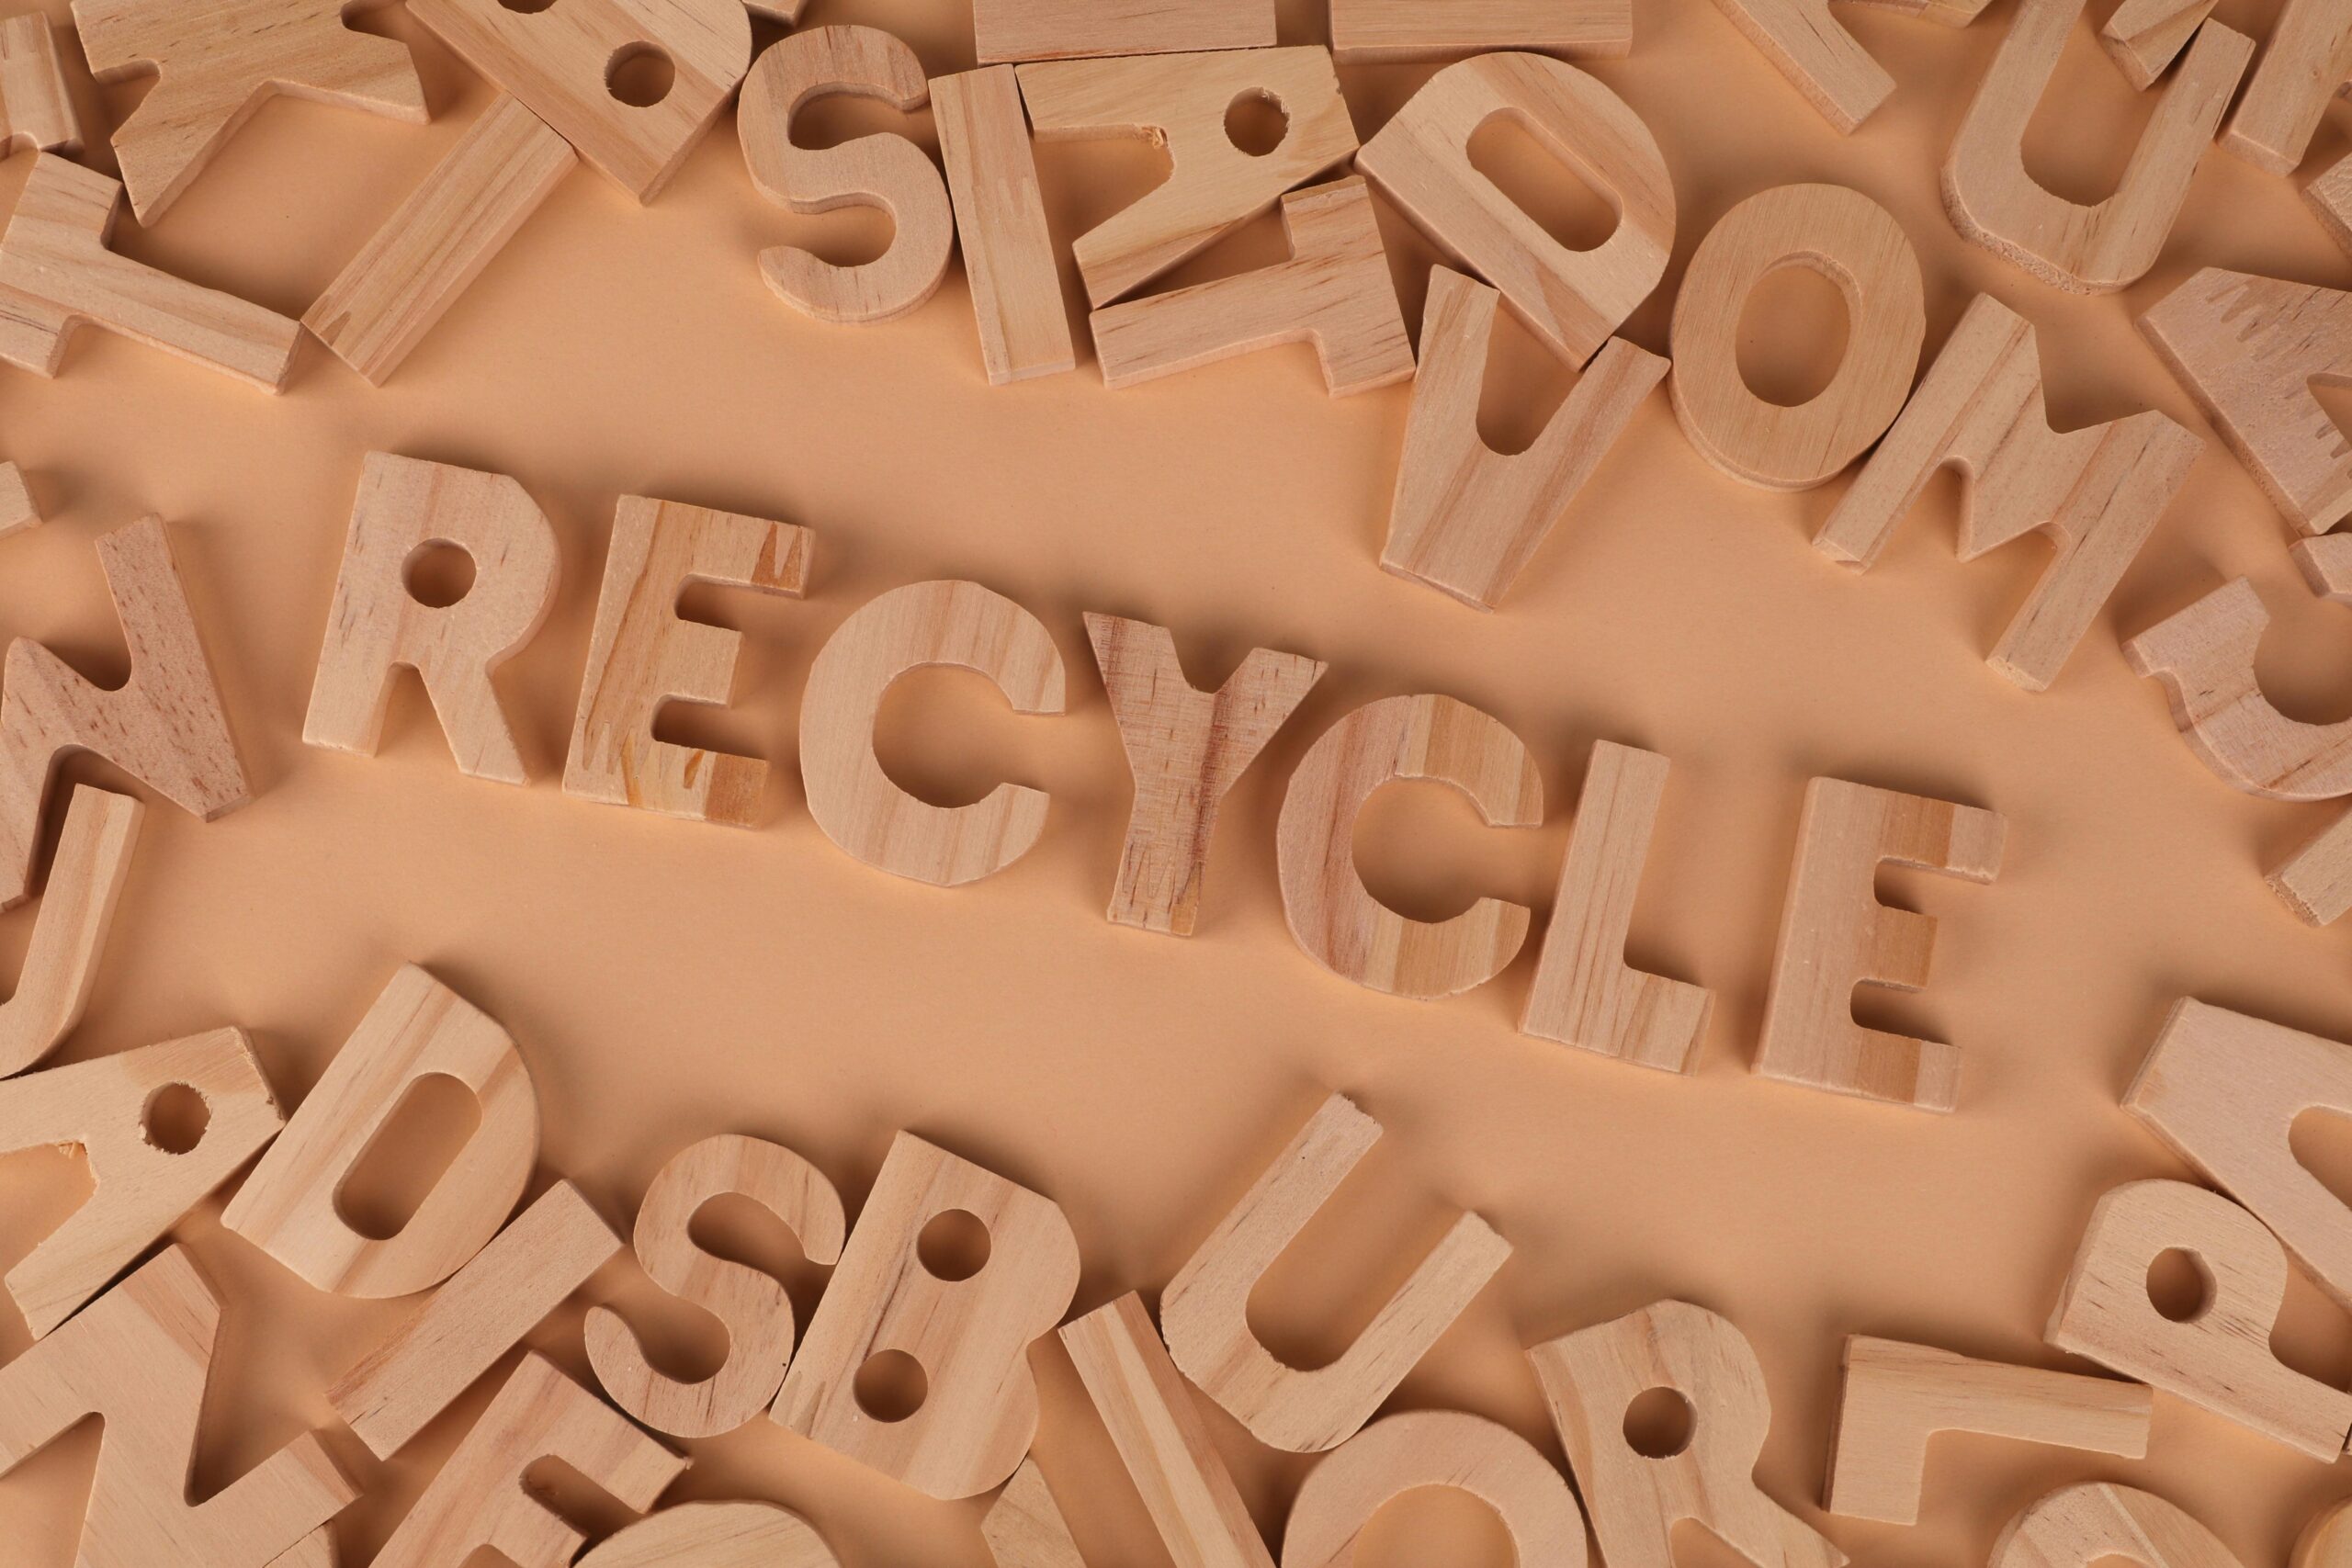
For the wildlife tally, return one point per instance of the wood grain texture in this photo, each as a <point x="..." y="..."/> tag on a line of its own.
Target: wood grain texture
<point x="1572" y="299"/>
<point x="1204" y="1311"/>
<point x="642" y="656"/>
<point x="501" y="1294"/>
<point x="2219" y="1358"/>
<point x="2329" y="196"/>
<point x="1857" y="245"/>
<point x="1466" y="519"/>
<point x="436" y="242"/>
<point x="1585" y="994"/>
<point x="752" y="1309"/>
<point x="2249" y="350"/>
<point x="558" y="61"/>
<point x="1185" y="749"/>
<point x="375" y="627"/>
<point x="216" y="61"/>
<point x="17" y="513"/>
<point x="2106" y="245"/>
<point x="1834" y="935"/>
<point x="1070" y="30"/>
<point x="713" y="1535"/>
<point x="2077" y="1525"/>
<point x="1334" y="292"/>
<point x="77" y="906"/>
<point x="1821" y="61"/>
<point x="1589" y="1378"/>
<point x="482" y="1498"/>
<point x="1336" y="1502"/>
<point x="2143" y="36"/>
<point x="57" y="275"/>
<point x="957" y="623"/>
<point x="36" y="112"/>
<point x="2097" y="492"/>
<point x="1365" y="32"/>
<point x="971" y="1336"/>
<point x="417" y="1027"/>
<point x="139" y="1358"/>
<point x="1009" y="256"/>
<point x="1024" y="1527"/>
<point x="2306" y="63"/>
<point x="2315" y="882"/>
<point x="138" y="1188"/>
<point x="1179" y="102"/>
<point x="1898" y="1395"/>
<point x="1161" y="1438"/>
<point x="883" y="170"/>
<point x="163" y="725"/>
<point x="1333" y="915"/>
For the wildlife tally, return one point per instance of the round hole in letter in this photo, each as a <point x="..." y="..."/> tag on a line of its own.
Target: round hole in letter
<point x="640" y="75"/>
<point x="1256" y="123"/>
<point x="527" y="6"/>
<point x="1658" y="1423"/>
<point x="2178" y="1285"/>
<point x="1792" y="335"/>
<point x="890" y="1386"/>
<point x="438" y="574"/>
<point x="953" y="1246"/>
<point x="174" y="1118"/>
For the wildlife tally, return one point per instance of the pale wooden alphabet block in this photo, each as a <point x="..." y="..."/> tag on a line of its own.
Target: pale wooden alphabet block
<point x="1333" y="915"/>
<point x="436" y="244"/>
<point x="501" y="1294"/>
<point x="2143" y="36"/>
<point x="1823" y="61"/>
<point x="1834" y="935"/>
<point x="36" y="112"/>
<point x="2097" y="492"/>
<point x="1203" y="1312"/>
<point x="1179" y="102"/>
<point x="163" y="726"/>
<point x="642" y="655"/>
<point x="57" y="275"/>
<point x="1590" y="1377"/>
<point x="1572" y="299"/>
<point x="377" y="625"/>
<point x="882" y="170"/>
<point x="1466" y="519"/>
<point x="1185" y="747"/>
<point x="752" y="1307"/>
<point x="2307" y="62"/>
<point x="2316" y="880"/>
<point x="480" y="1498"/>
<point x="1070" y="30"/>
<point x="1335" y="292"/>
<point x="76" y="907"/>
<point x="713" y="1535"/>
<point x="1001" y="221"/>
<point x="18" y="511"/>
<point x="2077" y="1525"/>
<point x="959" y="624"/>
<point x="2220" y="1356"/>
<point x="1897" y="1396"/>
<point x="1435" y="1448"/>
<point x="1365" y="32"/>
<point x="971" y="1336"/>
<point x="2329" y="196"/>
<point x="216" y="61"/>
<point x="138" y="1358"/>
<point x="1024" y="1529"/>
<point x="140" y="1189"/>
<point x="1585" y="994"/>
<point x="417" y="1027"/>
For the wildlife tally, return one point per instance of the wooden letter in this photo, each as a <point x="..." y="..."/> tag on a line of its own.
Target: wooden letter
<point x="564" y="61"/>
<point x="164" y="726"/>
<point x="1203" y="1312"/>
<point x="56" y="275"/>
<point x="1331" y="913"/>
<point x="1466" y="519"/>
<point x="35" y="110"/>
<point x="1585" y="993"/>
<point x="1069" y="30"/>
<point x="713" y="1535"/>
<point x="18" y="511"/>
<point x="76" y="907"/>
<point x="970" y="1335"/>
<point x="138" y="1358"/>
<point x="1834" y="935"/>
<point x="418" y="1027"/>
<point x="1335" y="292"/>
<point x="1365" y="32"/>
<point x="1000" y="218"/>
<point x="2308" y="63"/>
<point x="2097" y="492"/>
<point x="218" y="59"/>
<point x="959" y="624"/>
<point x="2102" y="247"/>
<point x="1898" y="1395"/>
<point x="642" y="656"/>
<point x="752" y="1308"/>
<point x="1435" y="1448"/>
<point x="1185" y="747"/>
<point x="2220" y="1356"/>
<point x="1822" y="60"/>
<point x="377" y="625"/>
<point x="882" y="170"/>
<point x="1591" y="1377"/>
<point x="438" y="241"/>
<point x="1572" y="299"/>
<point x="500" y="1295"/>
<point x="2143" y="36"/>
<point x="1024" y="1529"/>
<point x="480" y="1498"/>
<point x="1179" y="101"/>
<point x="2077" y="1525"/>
<point x="1161" y="1438"/>
<point x="139" y="1187"/>
<point x="1853" y="241"/>
<point x="2326" y="1541"/>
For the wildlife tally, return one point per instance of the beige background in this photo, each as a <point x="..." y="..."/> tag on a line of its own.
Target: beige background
<point x="670" y="980"/>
